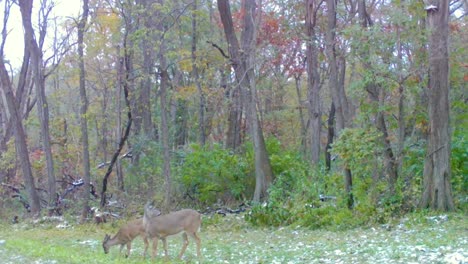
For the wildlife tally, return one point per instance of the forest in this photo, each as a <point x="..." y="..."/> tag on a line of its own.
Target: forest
<point x="268" y="131"/>
<point x="315" y="113"/>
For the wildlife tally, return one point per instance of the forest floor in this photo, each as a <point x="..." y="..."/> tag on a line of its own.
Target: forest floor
<point x="414" y="239"/>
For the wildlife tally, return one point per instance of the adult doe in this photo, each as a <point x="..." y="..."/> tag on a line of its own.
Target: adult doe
<point x="187" y="221"/>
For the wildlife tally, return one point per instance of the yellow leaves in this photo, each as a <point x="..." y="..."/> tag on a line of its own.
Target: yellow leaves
<point x="108" y="21"/>
<point x="185" y="92"/>
<point x="186" y="65"/>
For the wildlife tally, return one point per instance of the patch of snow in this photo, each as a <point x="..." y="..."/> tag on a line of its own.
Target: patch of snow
<point x="455" y="258"/>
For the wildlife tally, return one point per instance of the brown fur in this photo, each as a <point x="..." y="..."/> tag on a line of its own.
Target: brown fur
<point x="187" y="221"/>
<point x="125" y="236"/>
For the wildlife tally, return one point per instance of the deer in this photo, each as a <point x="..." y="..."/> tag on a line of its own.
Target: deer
<point x="126" y="234"/>
<point x="159" y="226"/>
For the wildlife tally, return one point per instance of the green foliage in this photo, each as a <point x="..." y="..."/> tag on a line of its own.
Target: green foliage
<point x="293" y="198"/>
<point x="8" y="158"/>
<point x="459" y="165"/>
<point x="207" y="174"/>
<point x="356" y="147"/>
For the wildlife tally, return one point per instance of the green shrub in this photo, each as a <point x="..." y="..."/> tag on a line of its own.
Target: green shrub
<point x="207" y="174"/>
<point x="459" y="166"/>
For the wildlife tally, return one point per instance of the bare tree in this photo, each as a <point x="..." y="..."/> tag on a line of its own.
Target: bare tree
<point x="437" y="192"/>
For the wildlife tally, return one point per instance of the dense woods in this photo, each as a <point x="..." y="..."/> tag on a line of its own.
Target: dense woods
<point x="311" y="112"/>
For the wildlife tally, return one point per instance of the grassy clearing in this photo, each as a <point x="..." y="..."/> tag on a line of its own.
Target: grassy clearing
<point x="415" y="239"/>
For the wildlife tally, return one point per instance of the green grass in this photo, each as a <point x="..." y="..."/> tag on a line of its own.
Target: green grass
<point x="231" y="240"/>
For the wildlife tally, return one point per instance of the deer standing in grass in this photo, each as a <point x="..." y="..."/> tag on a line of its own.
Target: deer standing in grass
<point x="161" y="226"/>
<point x="125" y="236"/>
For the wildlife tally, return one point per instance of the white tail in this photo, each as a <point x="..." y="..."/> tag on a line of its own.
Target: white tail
<point x="125" y="236"/>
<point x="162" y="226"/>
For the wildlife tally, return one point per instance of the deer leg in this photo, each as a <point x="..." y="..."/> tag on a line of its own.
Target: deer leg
<point x="145" y="240"/>
<point x="198" y="241"/>
<point x="165" y="246"/>
<point x="121" y="247"/>
<point x="185" y="244"/>
<point x="155" y="247"/>
<point x="129" y="247"/>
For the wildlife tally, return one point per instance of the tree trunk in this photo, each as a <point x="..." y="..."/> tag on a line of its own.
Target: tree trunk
<point x="42" y="106"/>
<point x="297" y="82"/>
<point x="336" y="82"/>
<point x="165" y="131"/>
<point x="164" y="85"/>
<point x="243" y="63"/>
<point x="437" y="192"/>
<point x="234" y="131"/>
<point x="20" y="137"/>
<point x="120" y="83"/>
<point x="313" y="81"/>
<point x="201" y="106"/>
<point x="338" y="96"/>
<point x="125" y="68"/>
<point x="30" y="45"/>
<point x="148" y="61"/>
<point x="331" y="135"/>
<point x="83" y="113"/>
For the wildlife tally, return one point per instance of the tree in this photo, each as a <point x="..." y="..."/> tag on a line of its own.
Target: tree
<point x="313" y="79"/>
<point x="339" y="110"/>
<point x="196" y="78"/>
<point x="243" y="60"/>
<point x="437" y="189"/>
<point x="143" y="106"/>
<point x="125" y="71"/>
<point x="376" y="92"/>
<point x="39" y="82"/>
<point x="84" y="110"/>
<point x="13" y="106"/>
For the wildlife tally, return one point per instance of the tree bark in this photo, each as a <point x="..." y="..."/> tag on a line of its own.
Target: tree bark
<point x="83" y="112"/>
<point x="437" y="192"/>
<point x="234" y="132"/>
<point x="148" y="61"/>
<point x="297" y="84"/>
<point x="338" y="94"/>
<point x="313" y="80"/>
<point x="330" y="136"/>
